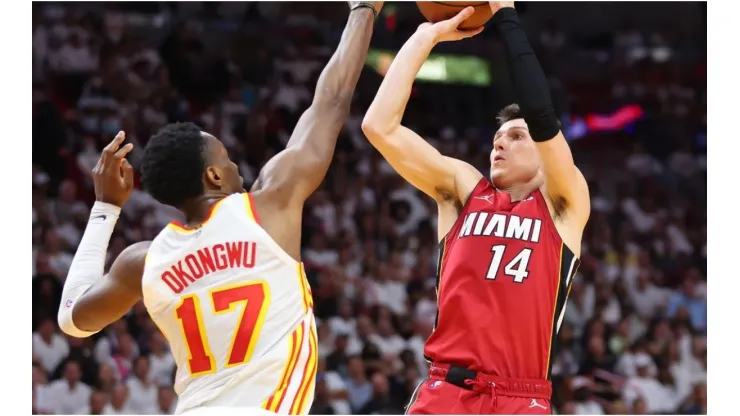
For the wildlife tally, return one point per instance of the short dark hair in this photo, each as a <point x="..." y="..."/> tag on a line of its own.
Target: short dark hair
<point x="508" y="113"/>
<point x="173" y="164"/>
<point x="511" y="112"/>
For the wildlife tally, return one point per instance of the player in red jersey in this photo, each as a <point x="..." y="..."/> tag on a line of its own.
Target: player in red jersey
<point x="508" y="247"/>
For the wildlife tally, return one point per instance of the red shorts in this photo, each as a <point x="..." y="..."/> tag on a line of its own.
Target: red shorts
<point x="456" y="390"/>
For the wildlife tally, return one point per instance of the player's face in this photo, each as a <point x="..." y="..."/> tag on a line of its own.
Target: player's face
<point x="514" y="158"/>
<point x="222" y="173"/>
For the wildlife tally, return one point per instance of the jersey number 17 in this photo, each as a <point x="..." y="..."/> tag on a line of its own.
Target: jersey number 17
<point x="254" y="297"/>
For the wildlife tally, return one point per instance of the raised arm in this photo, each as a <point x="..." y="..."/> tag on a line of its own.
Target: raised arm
<point x="410" y="155"/>
<point x="564" y="186"/>
<point x="293" y="174"/>
<point x="90" y="301"/>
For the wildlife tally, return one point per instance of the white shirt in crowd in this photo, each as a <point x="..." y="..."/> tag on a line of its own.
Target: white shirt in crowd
<point x="392" y="345"/>
<point x="142" y="399"/>
<point x="658" y="398"/>
<point x="339" y="325"/>
<point x="426" y="310"/>
<point x="161" y="368"/>
<point x="589" y="407"/>
<point x="390" y="294"/>
<point x="63" y="400"/>
<point x="51" y="354"/>
<point x="125" y="410"/>
<point x="335" y="384"/>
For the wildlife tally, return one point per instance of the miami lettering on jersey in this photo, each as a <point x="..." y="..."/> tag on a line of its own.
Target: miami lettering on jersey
<point x="501" y="225"/>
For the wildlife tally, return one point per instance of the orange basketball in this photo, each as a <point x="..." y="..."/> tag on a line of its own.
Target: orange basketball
<point x="436" y="11"/>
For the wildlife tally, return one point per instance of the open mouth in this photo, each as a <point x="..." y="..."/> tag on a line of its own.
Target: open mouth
<point x="497" y="158"/>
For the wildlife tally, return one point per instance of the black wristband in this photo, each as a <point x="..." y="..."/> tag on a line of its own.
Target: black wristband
<point x="531" y="88"/>
<point x="368" y="5"/>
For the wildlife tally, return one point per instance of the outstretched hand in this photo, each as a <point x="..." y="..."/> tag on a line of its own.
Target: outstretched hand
<point x="113" y="176"/>
<point x="447" y="30"/>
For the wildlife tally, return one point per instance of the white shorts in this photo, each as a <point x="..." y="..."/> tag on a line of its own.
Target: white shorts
<point x="227" y="411"/>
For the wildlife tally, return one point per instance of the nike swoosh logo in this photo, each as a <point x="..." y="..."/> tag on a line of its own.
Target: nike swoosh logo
<point x="102" y="217"/>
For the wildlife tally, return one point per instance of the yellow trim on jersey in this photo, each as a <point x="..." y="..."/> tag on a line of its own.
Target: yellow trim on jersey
<point x="554" y="310"/>
<point x="303" y="404"/>
<point x="293" y="347"/>
<point x="309" y="374"/>
<point x="302" y="282"/>
<point x="309" y="294"/>
<point x="250" y="209"/>
<point x="288" y="372"/>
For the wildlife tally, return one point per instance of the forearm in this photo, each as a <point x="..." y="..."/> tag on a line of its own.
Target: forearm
<point x="338" y="80"/>
<point x="88" y="265"/>
<point x="531" y="88"/>
<point x="319" y="126"/>
<point x="386" y="111"/>
<point x="298" y="170"/>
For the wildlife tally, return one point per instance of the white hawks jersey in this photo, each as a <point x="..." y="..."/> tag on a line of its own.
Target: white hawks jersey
<point x="237" y="312"/>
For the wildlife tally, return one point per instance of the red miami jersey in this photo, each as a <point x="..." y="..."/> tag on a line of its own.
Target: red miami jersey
<point x="503" y="277"/>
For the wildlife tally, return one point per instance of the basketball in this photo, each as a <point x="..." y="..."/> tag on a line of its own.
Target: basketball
<point x="436" y="11"/>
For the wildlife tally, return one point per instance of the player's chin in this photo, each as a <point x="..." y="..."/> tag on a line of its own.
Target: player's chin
<point x="496" y="173"/>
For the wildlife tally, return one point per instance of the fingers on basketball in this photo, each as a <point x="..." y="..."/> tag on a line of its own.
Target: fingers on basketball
<point x="463" y="15"/>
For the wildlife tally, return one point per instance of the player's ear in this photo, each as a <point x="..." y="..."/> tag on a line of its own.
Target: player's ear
<point x="214" y="177"/>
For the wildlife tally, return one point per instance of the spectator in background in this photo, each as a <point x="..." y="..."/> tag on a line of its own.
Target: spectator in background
<point x="40" y="388"/>
<point x="80" y="352"/>
<point x="696" y="404"/>
<point x="118" y="404"/>
<point x="68" y="395"/>
<point x="380" y="403"/>
<point x="693" y="304"/>
<point x="336" y="390"/>
<point x="161" y="362"/>
<point x="359" y="388"/>
<point x="321" y="402"/>
<point x="583" y="396"/>
<point x="107" y="380"/>
<point x="166" y="401"/>
<point x="645" y="386"/>
<point x="143" y="392"/>
<point x="49" y="347"/>
<point x="97" y="404"/>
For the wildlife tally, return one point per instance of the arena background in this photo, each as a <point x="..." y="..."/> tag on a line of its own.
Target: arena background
<point x="630" y="87"/>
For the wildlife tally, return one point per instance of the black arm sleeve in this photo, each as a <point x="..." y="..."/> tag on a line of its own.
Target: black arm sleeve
<point x="530" y="84"/>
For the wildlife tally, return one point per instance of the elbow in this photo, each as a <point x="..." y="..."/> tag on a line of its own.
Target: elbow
<point x="64" y="320"/>
<point x="376" y="129"/>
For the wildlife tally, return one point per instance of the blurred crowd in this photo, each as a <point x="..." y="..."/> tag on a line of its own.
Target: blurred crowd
<point x="634" y="335"/>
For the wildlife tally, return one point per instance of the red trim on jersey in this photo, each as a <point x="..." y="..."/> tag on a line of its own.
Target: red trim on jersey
<point x="254" y="210"/>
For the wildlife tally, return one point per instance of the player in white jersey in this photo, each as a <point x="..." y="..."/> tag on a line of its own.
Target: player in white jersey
<point x="227" y="290"/>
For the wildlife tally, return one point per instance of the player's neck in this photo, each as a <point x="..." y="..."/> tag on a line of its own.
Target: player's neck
<point x="520" y="192"/>
<point x="198" y="209"/>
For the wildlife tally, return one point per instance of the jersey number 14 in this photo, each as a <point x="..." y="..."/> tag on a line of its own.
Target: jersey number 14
<point x="253" y="296"/>
<point x="516" y="268"/>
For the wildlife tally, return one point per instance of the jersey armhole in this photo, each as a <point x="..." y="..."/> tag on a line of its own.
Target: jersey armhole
<point x="250" y="207"/>
<point x="545" y="211"/>
<point x="482" y="181"/>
